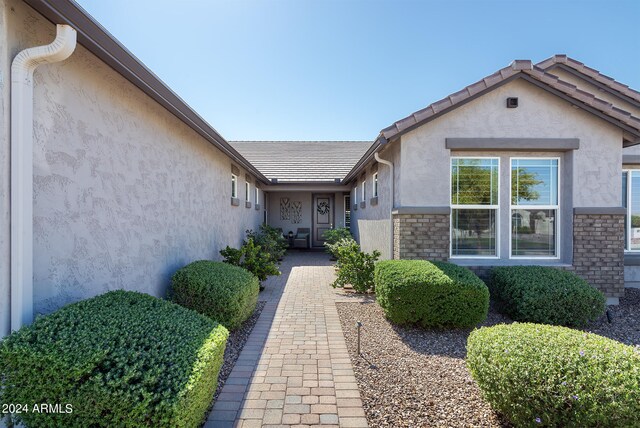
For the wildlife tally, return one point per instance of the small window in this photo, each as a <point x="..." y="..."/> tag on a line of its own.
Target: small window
<point x="355" y="195"/>
<point x="247" y="191"/>
<point x="347" y="212"/>
<point x="375" y="185"/>
<point x="364" y="190"/>
<point x="257" y="196"/>
<point x="234" y="186"/>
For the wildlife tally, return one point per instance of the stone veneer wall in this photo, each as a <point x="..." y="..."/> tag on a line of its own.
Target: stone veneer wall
<point x="598" y="246"/>
<point x="421" y="236"/>
<point x="598" y="251"/>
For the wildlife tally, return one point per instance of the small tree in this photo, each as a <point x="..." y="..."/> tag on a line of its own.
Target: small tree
<point x="251" y="257"/>
<point x="354" y="267"/>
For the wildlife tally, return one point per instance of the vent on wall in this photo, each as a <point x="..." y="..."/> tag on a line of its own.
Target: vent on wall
<point x="512" y="102"/>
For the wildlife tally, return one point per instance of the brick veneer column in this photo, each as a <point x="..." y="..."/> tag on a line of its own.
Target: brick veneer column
<point x="598" y="251"/>
<point x="421" y="236"/>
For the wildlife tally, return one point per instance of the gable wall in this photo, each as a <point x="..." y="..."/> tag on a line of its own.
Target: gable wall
<point x="124" y="192"/>
<point x="596" y="165"/>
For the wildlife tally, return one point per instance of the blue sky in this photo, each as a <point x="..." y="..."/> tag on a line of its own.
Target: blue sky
<point x="333" y="70"/>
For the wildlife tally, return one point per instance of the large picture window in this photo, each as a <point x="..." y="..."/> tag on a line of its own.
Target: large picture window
<point x="534" y="207"/>
<point x="474" y="201"/>
<point x="631" y="201"/>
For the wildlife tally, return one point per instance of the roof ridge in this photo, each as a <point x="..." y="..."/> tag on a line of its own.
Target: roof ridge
<point x="596" y="75"/>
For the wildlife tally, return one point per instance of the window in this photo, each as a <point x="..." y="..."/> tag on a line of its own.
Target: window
<point x="474" y="201"/>
<point x="364" y="190"/>
<point x="257" y="196"/>
<point x="234" y="186"/>
<point x="631" y="201"/>
<point x="347" y="211"/>
<point x="247" y="191"/>
<point x="355" y="195"/>
<point x="375" y="185"/>
<point x="534" y="207"/>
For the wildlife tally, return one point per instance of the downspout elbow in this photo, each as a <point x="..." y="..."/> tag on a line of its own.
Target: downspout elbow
<point x="22" y="69"/>
<point x="391" y="192"/>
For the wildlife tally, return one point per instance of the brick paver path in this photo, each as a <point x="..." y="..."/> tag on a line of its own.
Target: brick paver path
<point x="294" y="369"/>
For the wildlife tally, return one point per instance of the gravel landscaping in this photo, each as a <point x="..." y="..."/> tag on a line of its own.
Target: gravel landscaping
<point x="411" y="377"/>
<point x="235" y="343"/>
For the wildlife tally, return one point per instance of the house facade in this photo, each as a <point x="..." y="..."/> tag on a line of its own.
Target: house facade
<point x="536" y="164"/>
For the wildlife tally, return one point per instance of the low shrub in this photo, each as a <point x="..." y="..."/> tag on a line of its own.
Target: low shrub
<point x="354" y="267"/>
<point x="545" y="295"/>
<point x="119" y="359"/>
<point x="332" y="236"/>
<point x="433" y="294"/>
<point x="270" y="240"/>
<point x="541" y="375"/>
<point x="252" y="258"/>
<point x="225" y="293"/>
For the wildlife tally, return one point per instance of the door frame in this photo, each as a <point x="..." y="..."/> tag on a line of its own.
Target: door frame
<point x="332" y="196"/>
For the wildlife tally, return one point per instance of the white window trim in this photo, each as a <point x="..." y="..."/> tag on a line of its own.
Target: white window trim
<point x="375" y="185"/>
<point x="495" y="207"/>
<point x="627" y="248"/>
<point x="355" y="195"/>
<point x="364" y="190"/>
<point x="234" y="186"/>
<point x="344" y="213"/>
<point x="257" y="193"/>
<point x="536" y="207"/>
<point x="247" y="191"/>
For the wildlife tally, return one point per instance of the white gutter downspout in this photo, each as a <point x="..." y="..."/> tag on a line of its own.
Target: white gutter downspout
<point x="22" y="69"/>
<point x="391" y="190"/>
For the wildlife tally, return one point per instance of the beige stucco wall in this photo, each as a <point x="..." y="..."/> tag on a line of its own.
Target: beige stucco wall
<point x="4" y="174"/>
<point x="596" y="165"/>
<point x="124" y="192"/>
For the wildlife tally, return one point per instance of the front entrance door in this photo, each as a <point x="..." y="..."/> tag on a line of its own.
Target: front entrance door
<point x="322" y="217"/>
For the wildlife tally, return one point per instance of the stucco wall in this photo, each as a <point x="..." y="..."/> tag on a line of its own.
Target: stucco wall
<point x="4" y="174"/>
<point x="306" y="197"/>
<point x="124" y="192"/>
<point x="596" y="165"/>
<point x="371" y="225"/>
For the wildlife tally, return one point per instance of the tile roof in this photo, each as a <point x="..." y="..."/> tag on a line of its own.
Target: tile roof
<point x="303" y="161"/>
<point x="518" y="68"/>
<point x="563" y="60"/>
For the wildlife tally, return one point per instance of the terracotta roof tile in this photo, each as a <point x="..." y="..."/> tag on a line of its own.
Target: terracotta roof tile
<point x="594" y="74"/>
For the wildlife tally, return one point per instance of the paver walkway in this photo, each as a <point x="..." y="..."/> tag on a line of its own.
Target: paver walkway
<point x="294" y="369"/>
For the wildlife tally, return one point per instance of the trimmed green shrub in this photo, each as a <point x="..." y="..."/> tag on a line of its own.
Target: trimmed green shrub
<point x="354" y="266"/>
<point x="545" y="295"/>
<point x="119" y="359"/>
<point x="225" y="293"/>
<point x="252" y="258"/>
<point x="433" y="294"/>
<point x="270" y="240"/>
<point x="332" y="236"/>
<point x="541" y="375"/>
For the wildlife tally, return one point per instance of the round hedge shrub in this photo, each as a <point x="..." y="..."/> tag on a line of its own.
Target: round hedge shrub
<point x="542" y="375"/>
<point x="545" y="295"/>
<point x="433" y="294"/>
<point x="120" y="359"/>
<point x="223" y="292"/>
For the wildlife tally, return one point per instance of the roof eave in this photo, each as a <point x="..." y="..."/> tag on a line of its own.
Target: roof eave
<point x="98" y="41"/>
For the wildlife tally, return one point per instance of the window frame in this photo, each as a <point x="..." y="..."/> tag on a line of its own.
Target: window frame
<point x="364" y="190"/>
<point x="257" y="195"/>
<point x="247" y="191"/>
<point x="234" y="186"/>
<point x="347" y="207"/>
<point x="375" y="185"/>
<point x="495" y="207"/>
<point x="557" y="208"/>
<point x="627" y="246"/>
<point x="355" y="195"/>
